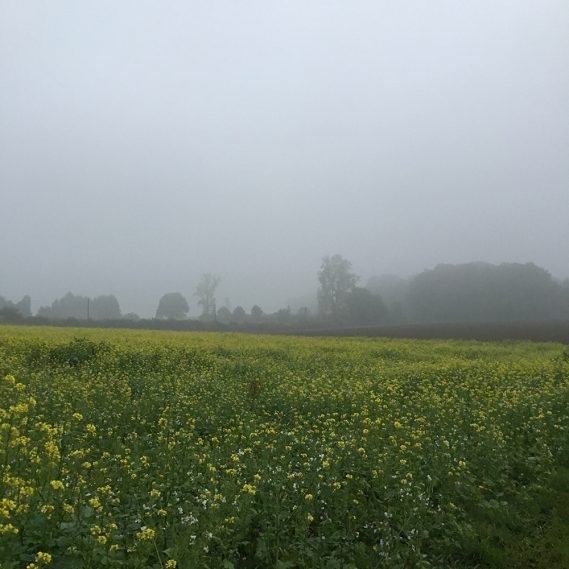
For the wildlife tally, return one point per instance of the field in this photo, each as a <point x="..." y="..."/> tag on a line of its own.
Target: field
<point x="161" y="450"/>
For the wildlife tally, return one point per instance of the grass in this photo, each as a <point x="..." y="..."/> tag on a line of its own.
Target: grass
<point x="547" y="545"/>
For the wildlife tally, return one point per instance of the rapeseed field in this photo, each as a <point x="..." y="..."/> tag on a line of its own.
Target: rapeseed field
<point x="181" y="450"/>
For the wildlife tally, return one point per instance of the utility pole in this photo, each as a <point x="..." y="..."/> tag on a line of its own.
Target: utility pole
<point x="88" y="303"/>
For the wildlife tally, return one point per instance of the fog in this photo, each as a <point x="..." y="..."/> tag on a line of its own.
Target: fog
<point x="143" y="143"/>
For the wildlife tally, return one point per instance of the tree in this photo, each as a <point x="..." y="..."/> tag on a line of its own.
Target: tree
<point x="336" y="282"/>
<point x="482" y="291"/>
<point x="393" y="290"/>
<point x="68" y="306"/>
<point x="283" y="315"/>
<point x="565" y="295"/>
<point x="224" y="315"/>
<point x="105" y="307"/>
<point x="22" y="308"/>
<point x="205" y="291"/>
<point x="257" y="313"/>
<point x="239" y="315"/>
<point x="25" y="306"/>
<point x="10" y="314"/>
<point x="172" y="306"/>
<point x="364" y="307"/>
<point x="303" y="314"/>
<point x="133" y="316"/>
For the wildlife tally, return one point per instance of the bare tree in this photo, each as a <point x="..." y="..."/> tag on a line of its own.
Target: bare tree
<point x="205" y="291"/>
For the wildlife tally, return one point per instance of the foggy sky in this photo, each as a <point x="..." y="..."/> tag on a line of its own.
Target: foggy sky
<point x="143" y="143"/>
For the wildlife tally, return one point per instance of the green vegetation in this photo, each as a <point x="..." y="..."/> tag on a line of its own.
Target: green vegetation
<point x="162" y="450"/>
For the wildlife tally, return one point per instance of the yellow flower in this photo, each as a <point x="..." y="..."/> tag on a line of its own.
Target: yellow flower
<point x="57" y="484"/>
<point x="44" y="558"/>
<point x="52" y="450"/>
<point x="10" y="379"/>
<point x="6" y="505"/>
<point x="96" y="503"/>
<point x="249" y="489"/>
<point x="309" y="497"/>
<point x="146" y="534"/>
<point x="171" y="564"/>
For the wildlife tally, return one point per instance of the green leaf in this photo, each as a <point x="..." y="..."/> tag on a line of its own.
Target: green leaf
<point x="284" y="564"/>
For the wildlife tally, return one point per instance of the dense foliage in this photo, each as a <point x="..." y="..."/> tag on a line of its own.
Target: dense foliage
<point x="485" y="292"/>
<point x="149" y="449"/>
<point x="104" y="307"/>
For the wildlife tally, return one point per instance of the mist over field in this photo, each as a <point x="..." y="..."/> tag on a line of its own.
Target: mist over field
<point x="143" y="143"/>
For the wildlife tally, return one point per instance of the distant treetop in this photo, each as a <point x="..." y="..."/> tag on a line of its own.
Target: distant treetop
<point x="172" y="306"/>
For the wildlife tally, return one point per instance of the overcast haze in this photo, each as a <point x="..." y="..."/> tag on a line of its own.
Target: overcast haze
<point x="145" y="143"/>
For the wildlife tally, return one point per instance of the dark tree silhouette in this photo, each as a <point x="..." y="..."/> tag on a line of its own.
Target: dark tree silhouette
<point x="224" y="315"/>
<point x="485" y="292"/>
<point x="68" y="306"/>
<point x="239" y="315"/>
<point x="172" y="306"/>
<point x="336" y="282"/>
<point x="364" y="307"/>
<point x="105" y="308"/>
<point x="18" y="310"/>
<point x="257" y="313"/>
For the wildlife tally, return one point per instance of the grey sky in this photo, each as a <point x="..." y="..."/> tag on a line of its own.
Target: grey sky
<point x="143" y="143"/>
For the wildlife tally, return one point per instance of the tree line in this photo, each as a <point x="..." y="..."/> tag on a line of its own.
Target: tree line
<point x="476" y="292"/>
<point x="470" y="292"/>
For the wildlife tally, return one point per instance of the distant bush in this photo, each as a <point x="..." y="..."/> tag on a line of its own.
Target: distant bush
<point x="78" y="351"/>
